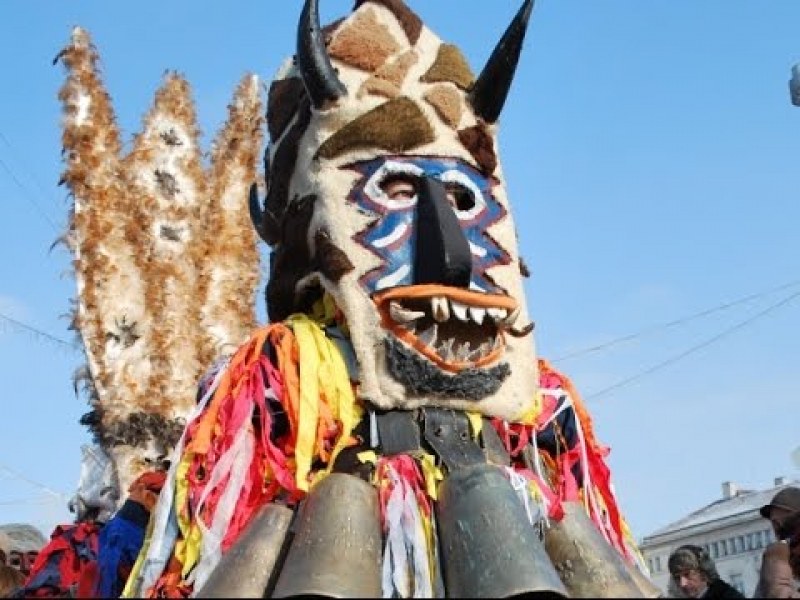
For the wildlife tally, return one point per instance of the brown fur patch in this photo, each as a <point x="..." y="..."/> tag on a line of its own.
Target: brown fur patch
<point x="388" y="79"/>
<point x="364" y="42"/>
<point x="396" y="126"/>
<point x="450" y="65"/>
<point x="331" y="260"/>
<point x="280" y="174"/>
<point x="480" y="144"/>
<point x="408" y="20"/>
<point x="290" y="260"/>
<point x="379" y="87"/>
<point x="284" y="96"/>
<point x="447" y="102"/>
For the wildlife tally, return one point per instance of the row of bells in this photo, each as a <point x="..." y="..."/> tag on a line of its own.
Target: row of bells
<point x="333" y="547"/>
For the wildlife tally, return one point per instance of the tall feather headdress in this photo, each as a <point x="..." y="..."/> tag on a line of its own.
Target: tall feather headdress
<point x="164" y="256"/>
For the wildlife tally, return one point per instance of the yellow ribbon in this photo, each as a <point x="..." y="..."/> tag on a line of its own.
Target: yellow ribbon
<point x="323" y="373"/>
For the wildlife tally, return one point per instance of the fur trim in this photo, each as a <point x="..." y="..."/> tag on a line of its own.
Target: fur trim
<point x="378" y="129"/>
<point x="280" y="173"/>
<point x="480" y="144"/>
<point x="450" y="65"/>
<point x="284" y="97"/>
<point x="363" y="42"/>
<point x="409" y="21"/>
<point x="447" y="102"/>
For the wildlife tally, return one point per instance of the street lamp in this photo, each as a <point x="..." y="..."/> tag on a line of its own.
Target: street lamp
<point x="794" y="85"/>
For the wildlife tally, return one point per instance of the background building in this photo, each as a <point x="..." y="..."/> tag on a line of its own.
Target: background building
<point x="731" y="529"/>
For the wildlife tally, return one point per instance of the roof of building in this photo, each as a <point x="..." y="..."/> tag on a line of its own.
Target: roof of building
<point x="741" y="503"/>
<point x="24" y="537"/>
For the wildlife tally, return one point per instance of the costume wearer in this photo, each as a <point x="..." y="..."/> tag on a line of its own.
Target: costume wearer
<point x="393" y="415"/>
<point x="720" y="589"/>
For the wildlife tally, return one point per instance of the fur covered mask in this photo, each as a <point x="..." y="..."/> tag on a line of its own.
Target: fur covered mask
<point x="384" y="190"/>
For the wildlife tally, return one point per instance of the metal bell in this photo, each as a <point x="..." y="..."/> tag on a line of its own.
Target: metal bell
<point x="588" y="565"/>
<point x="336" y="550"/>
<point x="244" y="571"/>
<point x="489" y="549"/>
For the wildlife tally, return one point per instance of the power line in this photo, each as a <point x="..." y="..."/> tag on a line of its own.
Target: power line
<point x="43" y="192"/>
<point x="36" y="332"/>
<point x="29" y="481"/>
<point x="679" y="321"/>
<point x="693" y="349"/>
<point x="27" y="196"/>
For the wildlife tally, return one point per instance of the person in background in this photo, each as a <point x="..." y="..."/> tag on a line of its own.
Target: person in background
<point x="694" y="573"/>
<point x="780" y="564"/>
<point x="5" y="548"/>
<point x="11" y="580"/>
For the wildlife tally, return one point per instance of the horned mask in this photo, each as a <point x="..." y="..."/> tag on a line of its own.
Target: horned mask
<point x="384" y="190"/>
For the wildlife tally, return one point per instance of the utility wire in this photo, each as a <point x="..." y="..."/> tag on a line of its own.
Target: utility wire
<point x="44" y="193"/>
<point x="36" y="484"/>
<point x="37" y="332"/>
<point x="693" y="349"/>
<point x="27" y="195"/>
<point x="680" y="321"/>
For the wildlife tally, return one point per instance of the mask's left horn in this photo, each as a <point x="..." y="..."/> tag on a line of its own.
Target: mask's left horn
<point x="320" y="78"/>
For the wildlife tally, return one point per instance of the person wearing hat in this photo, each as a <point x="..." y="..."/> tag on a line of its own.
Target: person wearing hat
<point x="694" y="573"/>
<point x="780" y="564"/>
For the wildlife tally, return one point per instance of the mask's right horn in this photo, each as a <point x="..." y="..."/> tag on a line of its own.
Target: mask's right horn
<point x="587" y="564"/>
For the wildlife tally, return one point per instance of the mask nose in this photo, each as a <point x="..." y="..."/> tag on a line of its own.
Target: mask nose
<point x="442" y="253"/>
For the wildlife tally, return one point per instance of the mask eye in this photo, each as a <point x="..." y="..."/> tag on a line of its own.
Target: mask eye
<point x="393" y="187"/>
<point x="460" y="197"/>
<point x="399" y="187"/>
<point x="464" y="195"/>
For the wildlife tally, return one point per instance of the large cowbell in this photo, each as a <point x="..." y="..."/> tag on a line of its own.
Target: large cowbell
<point x="587" y="564"/>
<point x="336" y="550"/>
<point x="489" y="549"/>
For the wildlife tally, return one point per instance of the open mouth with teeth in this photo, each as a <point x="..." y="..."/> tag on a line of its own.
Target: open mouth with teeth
<point x="456" y="329"/>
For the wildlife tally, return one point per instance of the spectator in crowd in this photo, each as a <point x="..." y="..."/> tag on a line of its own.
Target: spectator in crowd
<point x="780" y="564"/>
<point x="5" y="548"/>
<point x="11" y="580"/>
<point x="695" y="575"/>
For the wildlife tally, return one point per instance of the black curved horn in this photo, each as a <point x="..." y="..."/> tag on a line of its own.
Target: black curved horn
<point x="256" y="212"/>
<point x="322" y="83"/>
<point x="488" y="94"/>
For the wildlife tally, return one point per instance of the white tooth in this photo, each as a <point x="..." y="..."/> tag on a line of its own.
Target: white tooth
<point x="440" y="309"/>
<point x="484" y="349"/>
<point x="446" y="350"/>
<point x="475" y="355"/>
<point x="428" y="337"/>
<point x="460" y="311"/>
<point x="478" y="314"/>
<point x="403" y="315"/>
<point x="512" y="318"/>
<point x="463" y="351"/>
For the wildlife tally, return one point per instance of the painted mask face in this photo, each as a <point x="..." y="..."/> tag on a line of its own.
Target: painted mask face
<point x="384" y="190"/>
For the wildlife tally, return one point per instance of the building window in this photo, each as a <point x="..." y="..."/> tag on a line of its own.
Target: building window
<point x="723" y="548"/>
<point x="770" y="536"/>
<point x="740" y="544"/>
<point x="731" y="547"/>
<point x="658" y="564"/>
<point x="715" y="550"/>
<point x="650" y="565"/>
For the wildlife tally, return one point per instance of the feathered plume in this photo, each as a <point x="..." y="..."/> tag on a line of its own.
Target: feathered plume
<point x="165" y="258"/>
